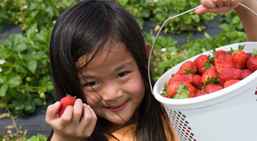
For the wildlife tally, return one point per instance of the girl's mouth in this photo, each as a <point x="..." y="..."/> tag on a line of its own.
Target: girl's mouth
<point x="117" y="108"/>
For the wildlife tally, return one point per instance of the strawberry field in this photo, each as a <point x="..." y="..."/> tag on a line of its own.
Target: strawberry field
<point x="25" y="80"/>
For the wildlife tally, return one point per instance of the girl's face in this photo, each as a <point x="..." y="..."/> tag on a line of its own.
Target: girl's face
<point x="112" y="84"/>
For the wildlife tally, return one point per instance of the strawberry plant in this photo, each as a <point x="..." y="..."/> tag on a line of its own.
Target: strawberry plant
<point x="30" y="12"/>
<point x="42" y="12"/>
<point x="139" y="9"/>
<point x="25" y="71"/>
<point x="10" y="11"/>
<point x="231" y="17"/>
<point x="189" y="22"/>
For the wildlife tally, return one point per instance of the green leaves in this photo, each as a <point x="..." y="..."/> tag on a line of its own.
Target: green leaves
<point x="3" y="90"/>
<point x="25" y="70"/>
<point x="4" y="52"/>
<point x="38" y="137"/>
<point x="32" y="65"/>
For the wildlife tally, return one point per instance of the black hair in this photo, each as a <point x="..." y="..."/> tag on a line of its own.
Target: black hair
<point x="84" y="29"/>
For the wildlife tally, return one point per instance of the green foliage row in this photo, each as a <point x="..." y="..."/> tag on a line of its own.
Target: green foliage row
<point x="30" y="12"/>
<point x="45" y="12"/>
<point x="159" y="11"/>
<point x="25" y="71"/>
<point x="25" y="80"/>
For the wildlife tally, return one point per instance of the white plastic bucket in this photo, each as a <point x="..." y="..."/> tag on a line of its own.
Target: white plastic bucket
<point x="226" y="115"/>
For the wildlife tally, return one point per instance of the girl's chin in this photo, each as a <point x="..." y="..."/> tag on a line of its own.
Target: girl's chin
<point x="119" y="119"/>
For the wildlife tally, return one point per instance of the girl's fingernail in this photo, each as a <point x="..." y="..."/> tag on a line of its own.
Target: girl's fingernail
<point x="56" y="104"/>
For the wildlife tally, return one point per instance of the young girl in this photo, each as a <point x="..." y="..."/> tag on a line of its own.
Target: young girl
<point x="99" y="55"/>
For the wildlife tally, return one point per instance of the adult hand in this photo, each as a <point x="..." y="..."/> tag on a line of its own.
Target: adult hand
<point x="217" y="6"/>
<point x="76" y="123"/>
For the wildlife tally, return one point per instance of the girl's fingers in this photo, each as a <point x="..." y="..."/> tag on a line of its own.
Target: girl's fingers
<point x="66" y="117"/>
<point x="52" y="111"/>
<point x="77" y="111"/>
<point x="89" y="119"/>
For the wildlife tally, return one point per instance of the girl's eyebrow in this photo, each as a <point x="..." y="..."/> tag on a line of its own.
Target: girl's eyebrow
<point x="127" y="64"/>
<point x="124" y="65"/>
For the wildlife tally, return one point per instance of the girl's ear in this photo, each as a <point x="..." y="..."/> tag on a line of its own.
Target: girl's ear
<point x="148" y="48"/>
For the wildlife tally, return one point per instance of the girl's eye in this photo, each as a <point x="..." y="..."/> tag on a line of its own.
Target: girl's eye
<point x="122" y="74"/>
<point x="90" y="84"/>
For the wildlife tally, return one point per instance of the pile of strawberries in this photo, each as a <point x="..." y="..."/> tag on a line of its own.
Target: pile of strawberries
<point x="210" y="73"/>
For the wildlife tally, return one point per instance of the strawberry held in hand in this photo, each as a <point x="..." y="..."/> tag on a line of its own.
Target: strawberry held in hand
<point x="65" y="102"/>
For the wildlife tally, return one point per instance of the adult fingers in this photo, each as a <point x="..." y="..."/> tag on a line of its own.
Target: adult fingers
<point x="218" y="3"/>
<point x="220" y="10"/>
<point x="234" y="3"/>
<point x="201" y="10"/>
<point x="208" y="4"/>
<point x="226" y="2"/>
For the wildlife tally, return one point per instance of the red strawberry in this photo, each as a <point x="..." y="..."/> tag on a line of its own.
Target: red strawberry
<point x="197" y="81"/>
<point x="219" y="52"/>
<point x="239" y="57"/>
<point x="251" y="63"/>
<point x="245" y="73"/>
<point x="228" y="74"/>
<point x="171" y="87"/>
<point x="210" y="88"/>
<point x="248" y="55"/>
<point x="65" y="102"/>
<point x="202" y="63"/>
<point x="188" y="67"/>
<point x="209" y="75"/>
<point x="185" y="90"/>
<point x="200" y="93"/>
<point x="230" y="82"/>
<point x="223" y="61"/>
<point x="177" y="73"/>
<point x="184" y="78"/>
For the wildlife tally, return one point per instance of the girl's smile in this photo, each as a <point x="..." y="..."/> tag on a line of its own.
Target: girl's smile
<point x="112" y="83"/>
<point x="118" y="108"/>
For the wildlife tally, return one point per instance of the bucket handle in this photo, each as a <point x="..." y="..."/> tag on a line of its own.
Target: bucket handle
<point x="149" y="57"/>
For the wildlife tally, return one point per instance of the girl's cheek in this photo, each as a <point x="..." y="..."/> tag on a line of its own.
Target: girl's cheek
<point x="92" y="99"/>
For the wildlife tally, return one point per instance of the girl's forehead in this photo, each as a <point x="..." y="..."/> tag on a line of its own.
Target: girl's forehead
<point x="110" y="52"/>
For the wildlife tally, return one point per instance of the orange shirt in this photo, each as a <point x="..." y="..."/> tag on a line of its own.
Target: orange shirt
<point x="127" y="134"/>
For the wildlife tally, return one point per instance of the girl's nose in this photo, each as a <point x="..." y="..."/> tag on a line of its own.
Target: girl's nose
<point x="111" y="91"/>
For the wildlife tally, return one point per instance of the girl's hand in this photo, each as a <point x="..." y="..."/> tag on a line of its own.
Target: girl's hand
<point x="217" y="6"/>
<point x="76" y="123"/>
